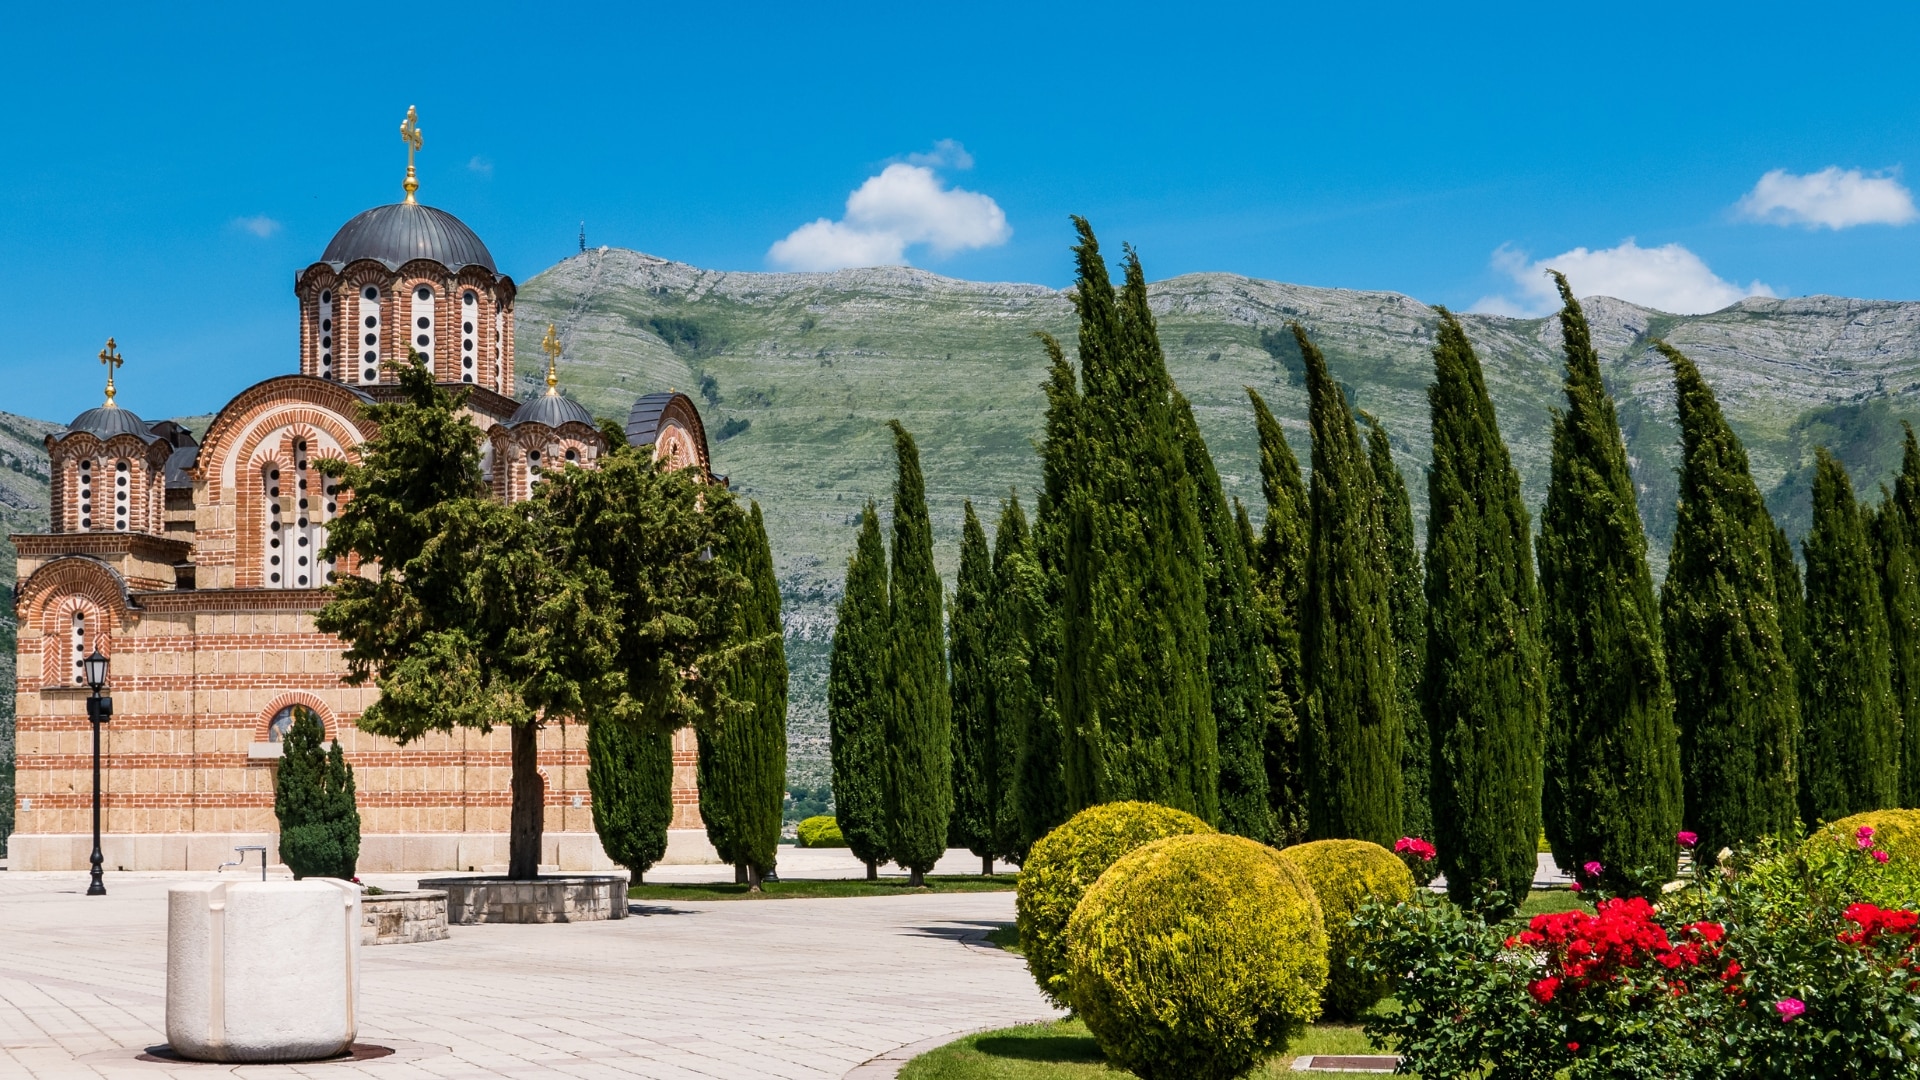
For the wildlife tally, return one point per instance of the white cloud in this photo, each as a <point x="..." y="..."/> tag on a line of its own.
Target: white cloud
<point x="259" y="225"/>
<point x="480" y="165"/>
<point x="1667" y="278"/>
<point x="1831" y="198"/>
<point x="946" y="154"/>
<point x="904" y="206"/>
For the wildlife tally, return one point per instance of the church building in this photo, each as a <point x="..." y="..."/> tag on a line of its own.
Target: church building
<point x="192" y="561"/>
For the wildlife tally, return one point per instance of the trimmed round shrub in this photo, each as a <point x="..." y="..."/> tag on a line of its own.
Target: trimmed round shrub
<point x="1344" y="873"/>
<point x="1065" y="862"/>
<point x="1896" y="832"/>
<point x="1197" y="957"/>
<point x="819" y="831"/>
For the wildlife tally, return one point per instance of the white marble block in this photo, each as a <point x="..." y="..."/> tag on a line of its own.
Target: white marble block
<point x="261" y="971"/>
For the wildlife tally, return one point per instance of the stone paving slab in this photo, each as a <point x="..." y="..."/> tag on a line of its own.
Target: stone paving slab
<point x="735" y="990"/>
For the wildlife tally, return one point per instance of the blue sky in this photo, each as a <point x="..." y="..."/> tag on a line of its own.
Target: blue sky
<point x="168" y="170"/>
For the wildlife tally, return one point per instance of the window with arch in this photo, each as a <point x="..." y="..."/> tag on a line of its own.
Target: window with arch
<point x="469" y="333"/>
<point x="123" y="473"/>
<point x="283" y="721"/>
<point x="420" y="318"/>
<point x="326" y="333"/>
<point x="367" y="331"/>
<point x="298" y="501"/>
<point x="79" y="648"/>
<point x="86" y="493"/>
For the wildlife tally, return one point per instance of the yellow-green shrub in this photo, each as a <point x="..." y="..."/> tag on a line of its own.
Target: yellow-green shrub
<point x="1896" y="832"/>
<point x="819" y="831"/>
<point x="1063" y="863"/>
<point x="1344" y="873"/>
<point x="1197" y="957"/>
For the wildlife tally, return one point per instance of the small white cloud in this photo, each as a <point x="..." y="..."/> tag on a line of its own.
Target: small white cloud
<point x="480" y="165"/>
<point x="946" y="154"/>
<point x="259" y="225"/>
<point x="1831" y="198"/>
<point x="1666" y="278"/>
<point x="904" y="206"/>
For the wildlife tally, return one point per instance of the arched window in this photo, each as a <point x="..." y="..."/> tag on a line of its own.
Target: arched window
<point x="469" y="333"/>
<point x="282" y="722"/>
<point x="298" y="501"/>
<point x="79" y="648"/>
<point x="121" y="480"/>
<point x="367" y="327"/>
<point x="420" y="316"/>
<point x="326" y="333"/>
<point x="86" y="493"/>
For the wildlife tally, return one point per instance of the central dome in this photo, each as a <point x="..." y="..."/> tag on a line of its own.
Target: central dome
<point x="402" y="232"/>
<point x="110" y="420"/>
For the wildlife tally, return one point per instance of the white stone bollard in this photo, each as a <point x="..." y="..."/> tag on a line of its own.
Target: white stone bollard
<point x="262" y="971"/>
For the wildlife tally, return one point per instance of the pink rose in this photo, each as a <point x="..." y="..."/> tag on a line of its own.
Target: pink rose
<point x="1880" y="856"/>
<point x="1789" y="1009"/>
<point x="1687" y="839"/>
<point x="1593" y="869"/>
<point x="1863" y="836"/>
<point x="1576" y="886"/>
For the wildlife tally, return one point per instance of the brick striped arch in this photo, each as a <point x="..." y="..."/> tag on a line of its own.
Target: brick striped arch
<point x="328" y="723"/>
<point x="325" y="405"/>
<point x="58" y="591"/>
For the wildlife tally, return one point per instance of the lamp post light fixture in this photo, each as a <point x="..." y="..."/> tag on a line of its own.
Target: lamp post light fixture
<point x="99" y="711"/>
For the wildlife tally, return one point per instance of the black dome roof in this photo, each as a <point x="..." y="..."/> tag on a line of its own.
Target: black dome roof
<point x="552" y="410"/>
<point x="107" y="421"/>
<point x="401" y="232"/>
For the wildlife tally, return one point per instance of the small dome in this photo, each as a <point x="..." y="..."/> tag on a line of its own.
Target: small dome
<point x="552" y="410"/>
<point x="104" y="423"/>
<point x="402" y="232"/>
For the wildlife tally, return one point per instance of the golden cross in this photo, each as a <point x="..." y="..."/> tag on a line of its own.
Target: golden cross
<point x="551" y="346"/>
<point x="112" y="359"/>
<point x="410" y="134"/>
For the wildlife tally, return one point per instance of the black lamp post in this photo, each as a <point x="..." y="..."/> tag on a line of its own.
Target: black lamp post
<point x="99" y="711"/>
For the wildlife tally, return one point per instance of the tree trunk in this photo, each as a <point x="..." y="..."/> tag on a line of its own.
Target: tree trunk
<point x="529" y="805"/>
<point x="740" y="873"/>
<point x="916" y="879"/>
<point x="753" y="877"/>
<point x="986" y="866"/>
<point x="873" y="870"/>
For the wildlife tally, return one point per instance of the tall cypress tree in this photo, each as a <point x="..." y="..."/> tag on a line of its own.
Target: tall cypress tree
<point x="1135" y="715"/>
<point x="630" y="774"/>
<point x="918" y="721"/>
<point x="857" y="699"/>
<point x="1353" y="731"/>
<point x="1851" y="739"/>
<point x="976" y="740"/>
<point x="1899" y="567"/>
<point x="1408" y="602"/>
<point x="1613" y="788"/>
<point x="1484" y="691"/>
<point x="1022" y="710"/>
<point x="313" y="801"/>
<point x="1733" y="679"/>
<point x="1280" y="571"/>
<point x="1236" y="652"/>
<point x="743" y="759"/>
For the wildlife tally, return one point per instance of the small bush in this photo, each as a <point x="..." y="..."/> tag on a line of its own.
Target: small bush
<point x="1197" y="957"/>
<point x="1344" y="874"/>
<point x="1064" y="863"/>
<point x="819" y="831"/>
<point x="1896" y="832"/>
<point x="313" y="800"/>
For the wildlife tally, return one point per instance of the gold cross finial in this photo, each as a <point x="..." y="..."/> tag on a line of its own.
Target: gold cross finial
<point x="410" y="134"/>
<point x="551" y="346"/>
<point x="112" y="359"/>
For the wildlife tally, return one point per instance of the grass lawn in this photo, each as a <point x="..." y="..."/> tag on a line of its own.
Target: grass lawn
<point x="1063" y="1050"/>
<point x="811" y="889"/>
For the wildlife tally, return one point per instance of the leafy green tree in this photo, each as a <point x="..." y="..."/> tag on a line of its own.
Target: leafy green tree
<point x="743" y="758"/>
<point x="1409" y="606"/>
<point x="313" y="799"/>
<point x="919" y="729"/>
<point x="1353" y="731"/>
<point x="1484" y="690"/>
<point x="1613" y="786"/>
<point x="1236" y="650"/>
<point x="1733" y="680"/>
<point x="857" y="700"/>
<point x="977" y="741"/>
<point x="1132" y="688"/>
<point x="1897" y="547"/>
<point x="1280" y="575"/>
<point x="1023" y="711"/>
<point x="1851" y="737"/>
<point x="630" y="775"/>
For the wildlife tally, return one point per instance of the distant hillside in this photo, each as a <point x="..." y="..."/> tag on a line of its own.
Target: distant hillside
<point x="797" y="375"/>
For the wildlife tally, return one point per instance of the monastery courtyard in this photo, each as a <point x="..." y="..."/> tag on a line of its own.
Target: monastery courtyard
<point x="814" y="989"/>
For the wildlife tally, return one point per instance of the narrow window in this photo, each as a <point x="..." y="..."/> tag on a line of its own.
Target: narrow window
<point x="120" y="496"/>
<point x="326" y="333"/>
<point x="86" y="494"/>
<point x="79" y="648"/>
<point x="276" y="533"/>
<point x="420" y="318"/>
<point x="367" y="327"/>
<point x="469" y="333"/>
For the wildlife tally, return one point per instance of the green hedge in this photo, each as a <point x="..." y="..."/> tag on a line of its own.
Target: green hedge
<point x="1344" y="874"/>
<point x="1197" y="957"/>
<point x="1065" y="862"/>
<point x="1896" y="832"/>
<point x="819" y="831"/>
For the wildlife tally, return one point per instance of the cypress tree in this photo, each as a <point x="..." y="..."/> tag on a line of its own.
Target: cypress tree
<point x="919" y="730"/>
<point x="1484" y="690"/>
<point x="857" y="701"/>
<point x="743" y="759"/>
<point x="976" y="741"/>
<point x="1236" y="652"/>
<point x="630" y="775"/>
<point x="1900" y="567"/>
<point x="1280" y="568"/>
<point x="313" y="801"/>
<point x="1353" y="731"/>
<point x="1135" y="715"/>
<point x="1733" y="680"/>
<point x="1851" y="736"/>
<point x="1036" y="800"/>
<point x="1408" y="597"/>
<point x="1613" y="789"/>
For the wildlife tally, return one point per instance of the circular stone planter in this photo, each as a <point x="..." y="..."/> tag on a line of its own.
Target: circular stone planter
<point x="576" y="898"/>
<point x="402" y="918"/>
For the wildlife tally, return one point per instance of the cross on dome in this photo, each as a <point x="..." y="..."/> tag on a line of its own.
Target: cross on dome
<point x="112" y="358"/>
<point x="410" y="134"/>
<point x="551" y="346"/>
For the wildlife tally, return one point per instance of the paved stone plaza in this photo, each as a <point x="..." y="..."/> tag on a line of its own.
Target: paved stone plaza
<point x="734" y="989"/>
